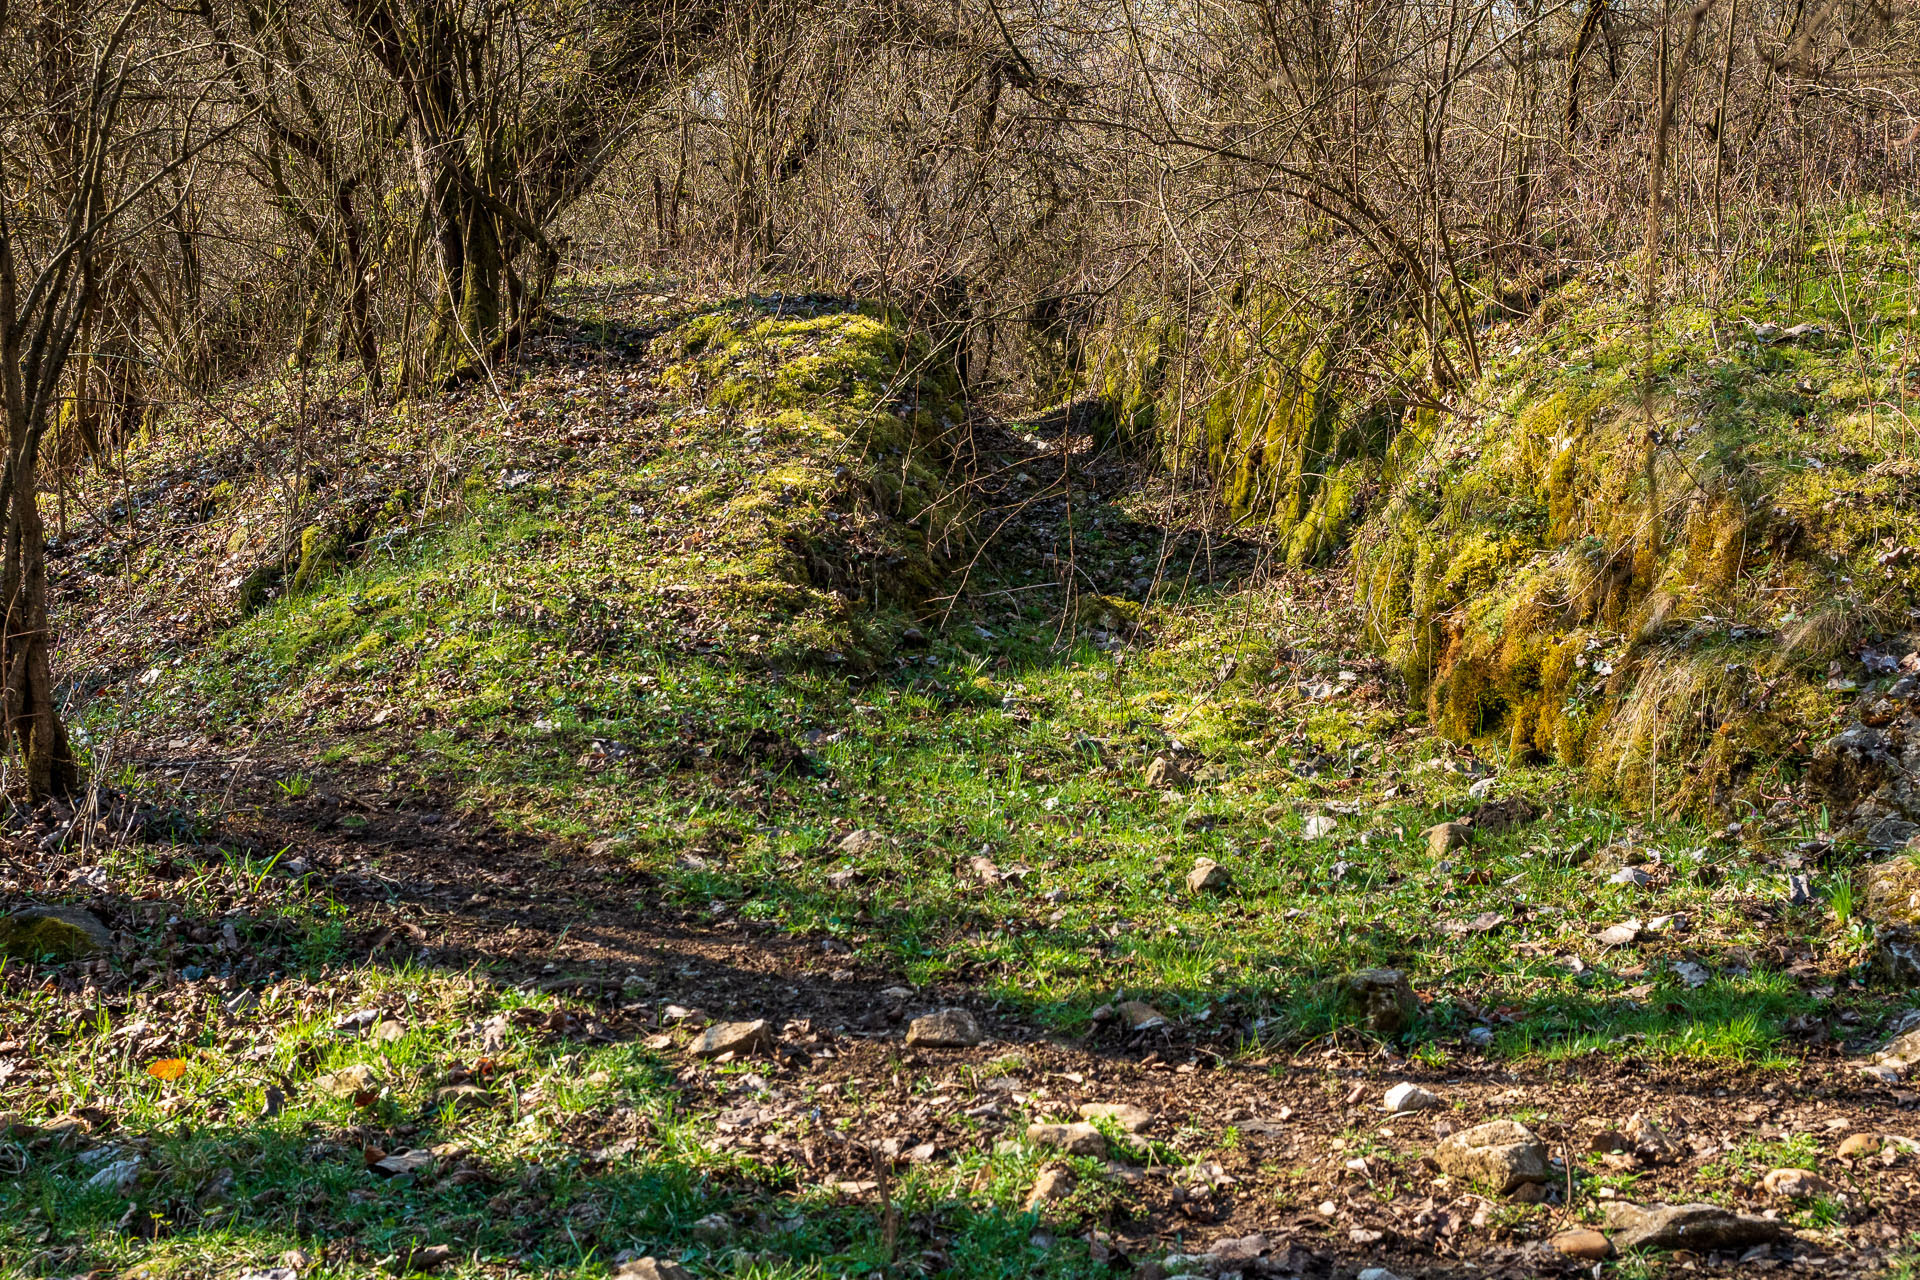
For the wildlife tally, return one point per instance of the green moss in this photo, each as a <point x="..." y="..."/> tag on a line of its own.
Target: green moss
<point x="44" y="937"/>
<point x="1574" y="571"/>
<point x="320" y="552"/>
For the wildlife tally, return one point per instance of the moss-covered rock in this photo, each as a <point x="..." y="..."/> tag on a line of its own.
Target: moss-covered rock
<point x="51" y="933"/>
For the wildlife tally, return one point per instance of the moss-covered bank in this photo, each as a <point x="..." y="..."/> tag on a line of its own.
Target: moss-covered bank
<point x="1661" y="552"/>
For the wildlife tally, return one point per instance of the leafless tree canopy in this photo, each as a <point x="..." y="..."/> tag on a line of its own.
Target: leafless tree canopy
<point x="189" y="192"/>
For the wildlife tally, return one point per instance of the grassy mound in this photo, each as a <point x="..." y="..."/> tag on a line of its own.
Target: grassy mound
<point x="759" y="484"/>
<point x="1659" y="553"/>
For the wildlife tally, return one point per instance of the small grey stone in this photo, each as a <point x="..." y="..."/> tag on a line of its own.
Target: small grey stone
<point x="1700" y="1228"/>
<point x="945" y="1029"/>
<point x="1502" y="1154"/>
<point x="741" y="1039"/>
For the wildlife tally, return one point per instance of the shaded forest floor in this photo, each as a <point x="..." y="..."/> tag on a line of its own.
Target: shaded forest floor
<point x="410" y="955"/>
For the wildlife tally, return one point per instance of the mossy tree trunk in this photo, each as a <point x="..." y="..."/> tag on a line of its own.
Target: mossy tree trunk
<point x="511" y="112"/>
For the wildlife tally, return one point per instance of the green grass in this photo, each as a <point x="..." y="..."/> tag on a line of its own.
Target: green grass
<point x="1047" y="777"/>
<point x="231" y="1176"/>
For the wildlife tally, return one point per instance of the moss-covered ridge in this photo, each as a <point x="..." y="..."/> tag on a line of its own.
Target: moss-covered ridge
<point x="840" y="491"/>
<point x="1641" y="549"/>
<point x="1276" y="398"/>
<point x="766" y="487"/>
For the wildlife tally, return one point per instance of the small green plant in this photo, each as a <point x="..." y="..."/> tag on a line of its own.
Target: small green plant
<point x="1840" y="900"/>
<point x="296" y="785"/>
<point x="1820" y="1213"/>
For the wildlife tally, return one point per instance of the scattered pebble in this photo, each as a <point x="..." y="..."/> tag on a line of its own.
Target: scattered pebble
<point x="741" y="1039"/>
<point x="945" y="1029"/>
<point x="1406" y="1097"/>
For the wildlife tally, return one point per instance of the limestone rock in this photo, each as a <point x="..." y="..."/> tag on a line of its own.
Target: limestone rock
<point x="1318" y="826"/>
<point x="1650" y="1141"/>
<point x="945" y="1029"/>
<point x="347" y="1081"/>
<point x="856" y="844"/>
<point x="652" y="1269"/>
<point x="1053" y="1184"/>
<point x="1444" y="837"/>
<point x="1502" y="1154"/>
<point x="1700" y="1228"/>
<point x="741" y="1039"/>
<point x="1164" y="772"/>
<point x="1209" y="876"/>
<point x="1405" y="1097"/>
<point x="1382" y="998"/>
<point x="1796" y="1184"/>
<point x="1074" y="1139"/>
<point x="1129" y="1117"/>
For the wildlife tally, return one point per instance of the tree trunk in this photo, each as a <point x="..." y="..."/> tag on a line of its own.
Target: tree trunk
<point x="32" y="719"/>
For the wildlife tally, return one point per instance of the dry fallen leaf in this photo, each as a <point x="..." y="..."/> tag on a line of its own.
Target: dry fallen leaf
<point x="167" y="1068"/>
